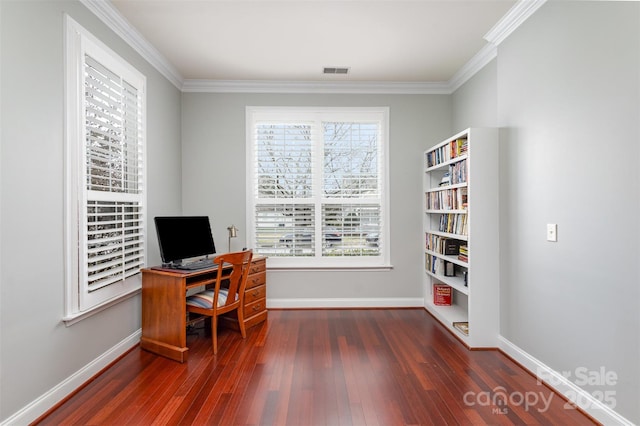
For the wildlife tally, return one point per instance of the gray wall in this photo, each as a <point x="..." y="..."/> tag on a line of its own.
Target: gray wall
<point x="214" y="161"/>
<point x="568" y="101"/>
<point x="475" y="104"/>
<point x="37" y="351"/>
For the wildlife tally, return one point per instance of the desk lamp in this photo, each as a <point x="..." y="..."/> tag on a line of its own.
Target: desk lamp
<point x="233" y="233"/>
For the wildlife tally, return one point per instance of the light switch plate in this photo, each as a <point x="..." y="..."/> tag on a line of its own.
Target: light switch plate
<point x="552" y="232"/>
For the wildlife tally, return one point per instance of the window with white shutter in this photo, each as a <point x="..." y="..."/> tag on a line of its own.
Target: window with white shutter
<point x="105" y="194"/>
<point x="317" y="186"/>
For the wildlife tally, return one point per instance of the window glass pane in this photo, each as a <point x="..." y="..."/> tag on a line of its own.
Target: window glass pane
<point x="283" y="160"/>
<point x="351" y="230"/>
<point x="350" y="160"/>
<point x="285" y="229"/>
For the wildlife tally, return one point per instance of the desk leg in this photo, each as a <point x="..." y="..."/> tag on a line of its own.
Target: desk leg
<point x="164" y="316"/>
<point x="168" y="351"/>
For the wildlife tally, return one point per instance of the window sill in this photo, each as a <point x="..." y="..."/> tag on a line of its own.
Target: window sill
<point x="79" y="316"/>
<point x="316" y="268"/>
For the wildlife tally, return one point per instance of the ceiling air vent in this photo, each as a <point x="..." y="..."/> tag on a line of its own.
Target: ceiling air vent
<point x="335" y="70"/>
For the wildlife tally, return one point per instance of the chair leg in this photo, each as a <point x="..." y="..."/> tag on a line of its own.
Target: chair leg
<point x="243" y="331"/>
<point x="214" y="333"/>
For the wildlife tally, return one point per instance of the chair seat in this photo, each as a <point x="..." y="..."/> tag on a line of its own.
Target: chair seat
<point x="204" y="299"/>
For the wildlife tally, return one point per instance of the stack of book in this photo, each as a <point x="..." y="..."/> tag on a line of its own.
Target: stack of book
<point x="449" y="199"/>
<point x="434" y="264"/>
<point x="463" y="253"/>
<point x="453" y="223"/>
<point x="463" y="326"/>
<point x="446" y="179"/>
<point x="458" y="172"/>
<point x="458" y="147"/>
<point x="434" y="242"/>
<point x="438" y="156"/>
<point x="442" y="245"/>
<point x="446" y="152"/>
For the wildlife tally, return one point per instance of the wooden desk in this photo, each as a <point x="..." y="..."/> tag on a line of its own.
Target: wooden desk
<point x="164" y="312"/>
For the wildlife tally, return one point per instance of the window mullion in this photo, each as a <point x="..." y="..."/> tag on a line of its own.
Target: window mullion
<point x="317" y="154"/>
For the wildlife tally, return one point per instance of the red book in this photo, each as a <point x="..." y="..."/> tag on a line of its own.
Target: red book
<point x="441" y="295"/>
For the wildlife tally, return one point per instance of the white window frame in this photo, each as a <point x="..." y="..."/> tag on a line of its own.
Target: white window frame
<point x="319" y="114"/>
<point x="79" y="301"/>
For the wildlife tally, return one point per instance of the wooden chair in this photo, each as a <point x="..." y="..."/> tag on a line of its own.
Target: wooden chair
<point x="216" y="301"/>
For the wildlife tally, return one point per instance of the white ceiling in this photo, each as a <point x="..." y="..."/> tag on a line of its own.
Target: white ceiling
<point x="293" y="40"/>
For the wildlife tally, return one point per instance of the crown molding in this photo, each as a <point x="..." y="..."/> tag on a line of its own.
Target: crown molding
<point x="520" y="12"/>
<point x="475" y="64"/>
<point x="342" y="87"/>
<point x="108" y="14"/>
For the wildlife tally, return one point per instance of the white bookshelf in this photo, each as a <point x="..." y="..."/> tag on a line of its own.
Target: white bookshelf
<point x="474" y="224"/>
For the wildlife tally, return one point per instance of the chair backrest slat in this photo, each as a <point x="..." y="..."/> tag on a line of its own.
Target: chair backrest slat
<point x="241" y="262"/>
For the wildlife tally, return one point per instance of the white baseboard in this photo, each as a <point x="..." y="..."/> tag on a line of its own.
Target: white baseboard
<point x="561" y="384"/>
<point x="48" y="400"/>
<point x="400" y="302"/>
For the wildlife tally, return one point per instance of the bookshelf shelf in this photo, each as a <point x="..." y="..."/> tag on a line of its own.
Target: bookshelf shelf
<point x="449" y="258"/>
<point x="446" y="163"/>
<point x="443" y="188"/>
<point x="456" y="282"/>
<point x="459" y="211"/>
<point x="448" y="235"/>
<point x="462" y="171"/>
<point x="453" y="313"/>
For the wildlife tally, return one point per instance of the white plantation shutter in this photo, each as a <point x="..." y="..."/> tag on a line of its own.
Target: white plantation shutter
<point x="285" y="225"/>
<point x="318" y="183"/>
<point x="115" y="242"/>
<point x="284" y="188"/>
<point x="106" y="183"/>
<point x="113" y="114"/>
<point x="352" y="157"/>
<point x="284" y="161"/>
<point x="359" y="222"/>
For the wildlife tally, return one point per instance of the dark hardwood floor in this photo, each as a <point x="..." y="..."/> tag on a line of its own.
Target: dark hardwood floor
<point x="320" y="367"/>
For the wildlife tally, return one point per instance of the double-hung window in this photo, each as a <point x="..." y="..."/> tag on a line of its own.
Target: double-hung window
<point x="105" y="181"/>
<point x="317" y="186"/>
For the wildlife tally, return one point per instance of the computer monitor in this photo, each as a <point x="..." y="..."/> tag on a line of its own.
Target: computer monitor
<point x="184" y="237"/>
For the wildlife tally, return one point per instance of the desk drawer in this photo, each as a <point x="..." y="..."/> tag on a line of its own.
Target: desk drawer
<point x="256" y="319"/>
<point x="256" y="280"/>
<point x="253" y="294"/>
<point x="255" y="307"/>
<point x="258" y="266"/>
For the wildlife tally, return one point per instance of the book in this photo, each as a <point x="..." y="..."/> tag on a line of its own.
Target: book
<point x="449" y="269"/>
<point x="462" y="326"/>
<point x="458" y="147"/>
<point x="441" y="295"/>
<point x="463" y="253"/>
<point x="446" y="179"/>
<point x="451" y="246"/>
<point x="458" y="172"/>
